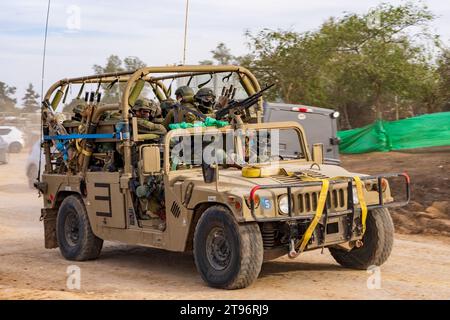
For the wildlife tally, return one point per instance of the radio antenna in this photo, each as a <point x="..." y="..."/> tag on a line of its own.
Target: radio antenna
<point x="42" y="88"/>
<point x="185" y="31"/>
<point x="45" y="49"/>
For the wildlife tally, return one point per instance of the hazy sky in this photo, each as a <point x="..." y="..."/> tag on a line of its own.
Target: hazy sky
<point x="83" y="33"/>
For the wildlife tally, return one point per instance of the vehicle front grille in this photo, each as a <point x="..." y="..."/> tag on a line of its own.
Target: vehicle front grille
<point x="307" y="202"/>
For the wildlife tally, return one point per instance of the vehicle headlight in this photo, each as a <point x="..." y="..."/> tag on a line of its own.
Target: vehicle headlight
<point x="355" y="196"/>
<point x="283" y="204"/>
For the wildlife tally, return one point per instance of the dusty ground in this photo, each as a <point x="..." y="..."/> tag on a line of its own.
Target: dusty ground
<point x="419" y="267"/>
<point x="429" y="169"/>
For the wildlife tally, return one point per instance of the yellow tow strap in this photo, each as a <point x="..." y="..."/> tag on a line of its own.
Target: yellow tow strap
<point x="362" y="202"/>
<point x="320" y="206"/>
<point x="251" y="172"/>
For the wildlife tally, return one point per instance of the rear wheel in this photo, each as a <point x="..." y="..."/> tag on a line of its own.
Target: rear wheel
<point x="76" y="240"/>
<point x="377" y="243"/>
<point x="15" y="147"/>
<point x="227" y="255"/>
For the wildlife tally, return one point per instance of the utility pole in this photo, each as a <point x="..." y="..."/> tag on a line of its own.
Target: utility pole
<point x="185" y="31"/>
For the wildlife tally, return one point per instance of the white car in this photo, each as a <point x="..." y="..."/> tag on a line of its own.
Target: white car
<point x="33" y="163"/>
<point x="13" y="137"/>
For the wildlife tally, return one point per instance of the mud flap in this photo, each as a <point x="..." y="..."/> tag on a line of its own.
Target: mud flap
<point x="49" y="218"/>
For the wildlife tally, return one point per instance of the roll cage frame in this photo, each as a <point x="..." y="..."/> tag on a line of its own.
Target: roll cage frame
<point x="58" y="90"/>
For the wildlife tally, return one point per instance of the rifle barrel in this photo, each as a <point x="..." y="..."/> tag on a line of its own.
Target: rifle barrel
<point x="244" y="104"/>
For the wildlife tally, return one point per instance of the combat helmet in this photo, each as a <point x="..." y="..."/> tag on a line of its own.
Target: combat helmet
<point x="205" y="98"/>
<point x="80" y="106"/>
<point x="186" y="93"/>
<point x="140" y="104"/>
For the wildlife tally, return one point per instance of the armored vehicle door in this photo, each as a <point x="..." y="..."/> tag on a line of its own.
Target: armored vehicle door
<point x="105" y="201"/>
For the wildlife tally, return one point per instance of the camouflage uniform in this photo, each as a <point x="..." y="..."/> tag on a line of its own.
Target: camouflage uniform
<point x="78" y="111"/>
<point x="145" y="125"/>
<point x="166" y="107"/>
<point x="177" y="115"/>
<point x="149" y="202"/>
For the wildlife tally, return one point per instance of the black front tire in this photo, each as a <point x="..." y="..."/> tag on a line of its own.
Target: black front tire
<point x="377" y="243"/>
<point x="228" y="255"/>
<point x="76" y="240"/>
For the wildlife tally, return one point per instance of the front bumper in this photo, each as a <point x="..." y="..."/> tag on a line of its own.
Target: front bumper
<point x="351" y="208"/>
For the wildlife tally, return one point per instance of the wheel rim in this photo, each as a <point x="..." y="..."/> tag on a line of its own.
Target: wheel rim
<point x="218" y="250"/>
<point x="71" y="229"/>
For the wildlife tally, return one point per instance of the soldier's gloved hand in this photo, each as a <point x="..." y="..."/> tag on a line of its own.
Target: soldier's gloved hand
<point x="222" y="102"/>
<point x="226" y="97"/>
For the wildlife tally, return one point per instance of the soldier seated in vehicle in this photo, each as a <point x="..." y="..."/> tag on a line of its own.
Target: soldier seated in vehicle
<point x="147" y="113"/>
<point x="77" y="116"/>
<point x="205" y="100"/>
<point x="156" y="113"/>
<point x="166" y="106"/>
<point x="149" y="122"/>
<point x="186" y="111"/>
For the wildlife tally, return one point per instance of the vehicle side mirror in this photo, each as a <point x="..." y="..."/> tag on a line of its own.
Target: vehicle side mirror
<point x="318" y="153"/>
<point x="151" y="159"/>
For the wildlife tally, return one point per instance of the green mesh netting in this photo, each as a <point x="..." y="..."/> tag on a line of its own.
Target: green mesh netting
<point x="431" y="130"/>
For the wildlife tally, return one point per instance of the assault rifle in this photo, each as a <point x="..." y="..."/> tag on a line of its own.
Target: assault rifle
<point x="241" y="105"/>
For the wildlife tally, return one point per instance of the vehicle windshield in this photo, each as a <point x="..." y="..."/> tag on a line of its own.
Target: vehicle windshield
<point x="235" y="148"/>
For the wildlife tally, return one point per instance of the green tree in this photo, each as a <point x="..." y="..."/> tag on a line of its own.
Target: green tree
<point x="133" y="63"/>
<point x="30" y="100"/>
<point x="7" y="102"/>
<point x="443" y="71"/>
<point x="113" y="64"/>
<point x="222" y="54"/>
<point x="381" y="55"/>
<point x="365" y="65"/>
<point x="206" y="62"/>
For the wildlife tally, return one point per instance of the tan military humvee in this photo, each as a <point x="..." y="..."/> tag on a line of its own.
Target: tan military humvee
<point x="248" y="203"/>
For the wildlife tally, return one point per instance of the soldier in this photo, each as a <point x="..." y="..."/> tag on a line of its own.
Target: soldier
<point x="166" y="106"/>
<point x="188" y="111"/>
<point x="149" y="114"/>
<point x="205" y="99"/>
<point x="144" y="108"/>
<point x="156" y="113"/>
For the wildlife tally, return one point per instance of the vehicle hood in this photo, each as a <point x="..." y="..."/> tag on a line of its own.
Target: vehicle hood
<point x="232" y="180"/>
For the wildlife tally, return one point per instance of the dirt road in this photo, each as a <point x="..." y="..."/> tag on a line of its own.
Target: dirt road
<point x="419" y="267"/>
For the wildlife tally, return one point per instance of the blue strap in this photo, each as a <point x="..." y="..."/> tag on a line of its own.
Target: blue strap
<point x="84" y="136"/>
